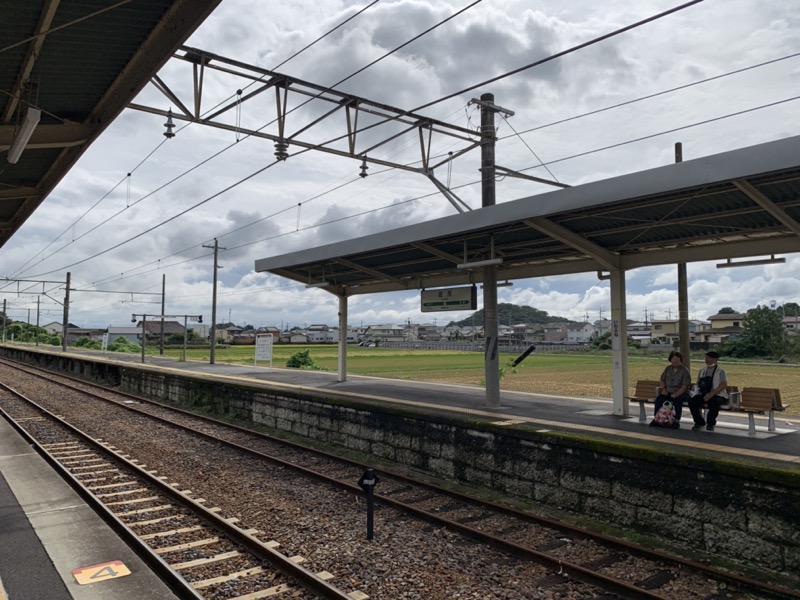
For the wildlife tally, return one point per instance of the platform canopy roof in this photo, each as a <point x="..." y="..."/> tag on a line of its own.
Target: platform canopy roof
<point x="79" y="62"/>
<point x="738" y="204"/>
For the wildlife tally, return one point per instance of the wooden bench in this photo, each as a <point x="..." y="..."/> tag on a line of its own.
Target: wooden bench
<point x="646" y="391"/>
<point x="761" y="400"/>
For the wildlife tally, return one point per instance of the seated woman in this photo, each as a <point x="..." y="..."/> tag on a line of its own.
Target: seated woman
<point x="675" y="383"/>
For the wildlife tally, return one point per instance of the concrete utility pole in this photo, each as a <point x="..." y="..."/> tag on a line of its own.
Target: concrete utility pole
<point x="490" y="327"/>
<point x="5" y="319"/>
<point x="66" y="315"/>
<point x="683" y="294"/>
<point x="163" y="299"/>
<point x="214" y="302"/>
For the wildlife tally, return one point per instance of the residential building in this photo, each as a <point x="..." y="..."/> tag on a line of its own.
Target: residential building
<point x="226" y="334"/>
<point x="321" y="334"/>
<point x="791" y="325"/>
<point x="76" y="333"/>
<point x="152" y="329"/>
<point x="723" y="327"/>
<point x="555" y="332"/>
<point x="580" y="333"/>
<point x="131" y="334"/>
<point x="429" y="332"/>
<point x="385" y="333"/>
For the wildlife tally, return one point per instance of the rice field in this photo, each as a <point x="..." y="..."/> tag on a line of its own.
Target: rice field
<point x="571" y="374"/>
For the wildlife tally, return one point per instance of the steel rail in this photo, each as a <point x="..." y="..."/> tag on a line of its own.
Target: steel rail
<point x="719" y="574"/>
<point x="309" y="580"/>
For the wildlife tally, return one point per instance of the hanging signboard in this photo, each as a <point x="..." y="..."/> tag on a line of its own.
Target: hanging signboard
<point x="460" y="298"/>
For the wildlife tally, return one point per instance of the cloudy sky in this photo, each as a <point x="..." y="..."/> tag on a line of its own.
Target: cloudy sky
<point x="116" y="232"/>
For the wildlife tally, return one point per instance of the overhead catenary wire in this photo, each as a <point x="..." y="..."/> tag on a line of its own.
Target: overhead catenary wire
<point x="158" y="146"/>
<point x="531" y="65"/>
<point x="236" y="142"/>
<point x="653" y="95"/>
<point x="475" y="182"/>
<point x="630" y="141"/>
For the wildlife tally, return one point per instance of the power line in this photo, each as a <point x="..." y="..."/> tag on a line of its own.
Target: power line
<point x="369" y="211"/>
<point x="19" y="269"/>
<point x="440" y="23"/>
<point x="172" y="218"/>
<point x="665" y="132"/>
<point x="552" y="57"/>
<point x="654" y="95"/>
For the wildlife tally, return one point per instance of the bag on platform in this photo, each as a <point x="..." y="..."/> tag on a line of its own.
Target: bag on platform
<point x="665" y="416"/>
<point x="706" y="384"/>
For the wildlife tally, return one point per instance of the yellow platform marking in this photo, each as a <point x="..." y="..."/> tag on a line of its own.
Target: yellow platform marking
<point x="101" y="572"/>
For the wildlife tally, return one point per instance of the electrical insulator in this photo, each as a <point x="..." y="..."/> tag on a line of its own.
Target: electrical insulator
<point x="169" y="125"/>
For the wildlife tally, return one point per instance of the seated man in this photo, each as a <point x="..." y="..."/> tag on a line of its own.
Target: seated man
<point x="675" y="382"/>
<point x="712" y="384"/>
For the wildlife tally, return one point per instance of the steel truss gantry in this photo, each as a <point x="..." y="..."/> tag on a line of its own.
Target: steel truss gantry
<point x="364" y="126"/>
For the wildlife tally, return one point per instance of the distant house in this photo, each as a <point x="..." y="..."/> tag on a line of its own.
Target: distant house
<point x="321" y="334"/>
<point x="385" y="333"/>
<point x="429" y="332"/>
<point x="527" y="333"/>
<point x="131" y="334"/>
<point x="226" y="334"/>
<point x="152" y="329"/>
<point x="298" y="337"/>
<point x="56" y="328"/>
<point x="246" y="338"/>
<point x="555" y="332"/>
<point x="723" y="327"/>
<point x="580" y="333"/>
<point x="273" y="331"/>
<point x="791" y="325"/>
<point x="76" y="333"/>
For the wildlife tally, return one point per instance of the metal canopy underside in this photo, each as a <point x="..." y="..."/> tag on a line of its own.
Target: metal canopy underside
<point x="736" y="204"/>
<point x="80" y="69"/>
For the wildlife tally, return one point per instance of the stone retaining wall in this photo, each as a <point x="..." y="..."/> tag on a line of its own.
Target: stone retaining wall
<point x="722" y="506"/>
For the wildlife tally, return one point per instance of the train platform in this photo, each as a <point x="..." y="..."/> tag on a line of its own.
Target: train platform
<point x="53" y="546"/>
<point x="51" y="539"/>
<point x="591" y="416"/>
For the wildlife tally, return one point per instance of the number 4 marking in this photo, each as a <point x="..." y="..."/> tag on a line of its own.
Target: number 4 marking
<point x="101" y="572"/>
<point x="104" y="572"/>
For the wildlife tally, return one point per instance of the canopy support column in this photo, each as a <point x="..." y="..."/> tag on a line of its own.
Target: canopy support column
<point x="342" y="362"/>
<point x="619" y="343"/>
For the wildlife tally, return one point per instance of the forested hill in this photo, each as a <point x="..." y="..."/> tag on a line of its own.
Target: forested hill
<point x="511" y="314"/>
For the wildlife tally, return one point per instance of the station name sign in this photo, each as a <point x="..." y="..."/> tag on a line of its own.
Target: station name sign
<point x="459" y="298"/>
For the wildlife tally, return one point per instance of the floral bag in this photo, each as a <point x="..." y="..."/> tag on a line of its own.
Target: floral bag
<point x="665" y="416"/>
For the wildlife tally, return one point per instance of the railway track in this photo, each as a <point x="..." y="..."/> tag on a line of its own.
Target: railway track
<point x="568" y="554"/>
<point x="200" y="553"/>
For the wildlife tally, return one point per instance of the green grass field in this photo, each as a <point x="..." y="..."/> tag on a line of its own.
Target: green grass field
<point x="570" y="374"/>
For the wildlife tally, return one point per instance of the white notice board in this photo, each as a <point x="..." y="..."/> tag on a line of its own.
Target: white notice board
<point x="264" y="348"/>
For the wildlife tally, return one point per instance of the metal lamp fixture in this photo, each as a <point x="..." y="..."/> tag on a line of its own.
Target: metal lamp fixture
<point x="24" y="134"/>
<point x="750" y="263"/>
<point x="481" y="263"/>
